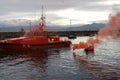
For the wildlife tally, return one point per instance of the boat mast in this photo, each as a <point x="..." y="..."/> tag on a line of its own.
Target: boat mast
<point x="30" y="28"/>
<point x="42" y="20"/>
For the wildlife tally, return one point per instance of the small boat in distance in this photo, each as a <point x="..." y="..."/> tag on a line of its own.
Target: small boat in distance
<point x="34" y="39"/>
<point x="71" y="36"/>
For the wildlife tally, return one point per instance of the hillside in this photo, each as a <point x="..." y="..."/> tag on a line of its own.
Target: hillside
<point x="94" y="26"/>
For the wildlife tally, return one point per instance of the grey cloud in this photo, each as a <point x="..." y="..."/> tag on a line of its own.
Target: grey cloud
<point x="94" y="8"/>
<point x="32" y="5"/>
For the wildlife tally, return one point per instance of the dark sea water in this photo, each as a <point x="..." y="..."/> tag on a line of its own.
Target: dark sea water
<point x="61" y="64"/>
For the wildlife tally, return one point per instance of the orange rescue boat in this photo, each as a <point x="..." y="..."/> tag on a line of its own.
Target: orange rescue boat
<point x="34" y="39"/>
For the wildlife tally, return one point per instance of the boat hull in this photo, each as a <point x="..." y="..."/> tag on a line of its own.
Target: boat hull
<point x="13" y="46"/>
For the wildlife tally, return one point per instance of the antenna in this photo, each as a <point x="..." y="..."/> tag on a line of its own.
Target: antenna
<point x="42" y="17"/>
<point x="70" y="22"/>
<point x="42" y="10"/>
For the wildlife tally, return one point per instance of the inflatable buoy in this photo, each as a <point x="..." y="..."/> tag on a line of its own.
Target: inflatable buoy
<point x="90" y="48"/>
<point x="28" y="46"/>
<point x="23" y="46"/>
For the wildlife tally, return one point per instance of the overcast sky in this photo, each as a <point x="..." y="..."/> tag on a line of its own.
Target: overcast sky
<point x="58" y="12"/>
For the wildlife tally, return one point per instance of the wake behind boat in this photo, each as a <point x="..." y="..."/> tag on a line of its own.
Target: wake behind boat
<point x="34" y="39"/>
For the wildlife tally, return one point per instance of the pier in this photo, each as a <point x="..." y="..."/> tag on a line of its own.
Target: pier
<point x="4" y="35"/>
